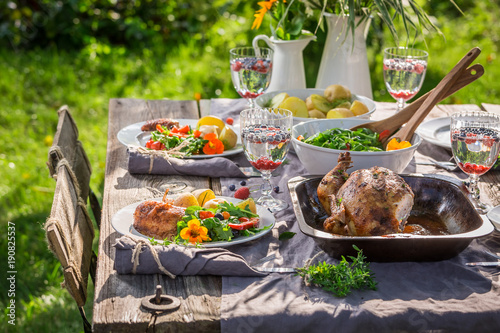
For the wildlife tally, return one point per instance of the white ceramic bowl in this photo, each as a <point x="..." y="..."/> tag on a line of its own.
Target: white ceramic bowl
<point x="264" y="99"/>
<point x="319" y="160"/>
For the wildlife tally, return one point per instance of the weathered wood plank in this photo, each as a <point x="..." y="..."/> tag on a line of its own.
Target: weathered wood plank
<point x="205" y="107"/>
<point x="491" y="107"/>
<point x="118" y="297"/>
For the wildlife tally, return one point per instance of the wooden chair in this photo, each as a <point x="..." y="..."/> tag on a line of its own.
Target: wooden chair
<point x="66" y="146"/>
<point x="70" y="232"/>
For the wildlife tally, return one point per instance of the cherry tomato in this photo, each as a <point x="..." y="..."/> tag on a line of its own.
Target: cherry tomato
<point x="196" y="133"/>
<point x="156" y="145"/>
<point x="159" y="128"/>
<point x="250" y="223"/>
<point x="204" y="214"/>
<point x="174" y="129"/>
<point x="149" y="143"/>
<point x="184" y="129"/>
<point x="384" y="134"/>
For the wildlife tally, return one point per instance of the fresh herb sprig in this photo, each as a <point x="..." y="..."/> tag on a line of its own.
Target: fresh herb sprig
<point x="342" y="278"/>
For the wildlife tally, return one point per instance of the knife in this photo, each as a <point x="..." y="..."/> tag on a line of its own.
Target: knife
<point x="484" y="263"/>
<point x="275" y="269"/>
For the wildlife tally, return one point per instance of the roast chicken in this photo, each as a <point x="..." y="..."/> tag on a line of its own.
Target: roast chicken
<point x="158" y="219"/>
<point x="368" y="202"/>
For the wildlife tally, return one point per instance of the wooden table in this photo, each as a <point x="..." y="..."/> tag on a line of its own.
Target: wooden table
<point x="117" y="302"/>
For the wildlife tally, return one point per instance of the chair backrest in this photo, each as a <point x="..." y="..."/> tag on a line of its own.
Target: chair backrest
<point x="70" y="232"/>
<point x="66" y="146"/>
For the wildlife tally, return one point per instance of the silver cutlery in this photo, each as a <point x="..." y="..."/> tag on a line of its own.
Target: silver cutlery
<point x="491" y="254"/>
<point x="484" y="263"/>
<point x="275" y="269"/>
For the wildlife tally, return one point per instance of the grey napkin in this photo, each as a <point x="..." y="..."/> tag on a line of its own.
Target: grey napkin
<point x="139" y="163"/>
<point x="178" y="260"/>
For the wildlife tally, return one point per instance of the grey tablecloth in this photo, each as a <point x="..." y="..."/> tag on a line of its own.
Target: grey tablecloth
<point x="444" y="296"/>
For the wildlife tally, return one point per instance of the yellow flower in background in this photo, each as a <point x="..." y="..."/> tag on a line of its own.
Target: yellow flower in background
<point x="195" y="233"/>
<point x="48" y="140"/>
<point x="394" y="144"/>
<point x="259" y="15"/>
<point x="197" y="96"/>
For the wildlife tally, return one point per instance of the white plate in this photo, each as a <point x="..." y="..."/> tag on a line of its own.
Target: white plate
<point x="436" y="131"/>
<point x="123" y="222"/>
<point x="132" y="135"/>
<point x="494" y="216"/>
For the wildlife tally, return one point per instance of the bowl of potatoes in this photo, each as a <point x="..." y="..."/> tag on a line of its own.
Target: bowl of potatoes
<point x="335" y="101"/>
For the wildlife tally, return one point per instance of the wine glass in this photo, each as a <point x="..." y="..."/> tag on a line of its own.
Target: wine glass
<point x="265" y="134"/>
<point x="404" y="73"/>
<point x="251" y="70"/>
<point x="475" y="143"/>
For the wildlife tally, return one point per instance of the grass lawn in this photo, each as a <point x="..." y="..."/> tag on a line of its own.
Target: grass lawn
<point x="34" y="84"/>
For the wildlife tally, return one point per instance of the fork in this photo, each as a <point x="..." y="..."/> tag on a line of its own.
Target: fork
<point x="491" y="254"/>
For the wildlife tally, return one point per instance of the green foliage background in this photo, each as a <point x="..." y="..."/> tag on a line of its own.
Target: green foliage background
<point x="82" y="53"/>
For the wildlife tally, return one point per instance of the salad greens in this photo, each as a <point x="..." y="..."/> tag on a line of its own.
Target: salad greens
<point x="362" y="139"/>
<point x="190" y="144"/>
<point x="219" y="228"/>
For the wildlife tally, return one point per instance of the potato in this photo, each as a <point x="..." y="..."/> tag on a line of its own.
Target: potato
<point x="203" y="195"/>
<point x="339" y="113"/>
<point x="316" y="114"/>
<point x="214" y="202"/>
<point x="186" y="200"/>
<point x="359" y="108"/>
<point x="320" y="103"/>
<point x="296" y="105"/>
<point x="228" y="138"/>
<point x="278" y="99"/>
<point x="309" y="103"/>
<point x="336" y="92"/>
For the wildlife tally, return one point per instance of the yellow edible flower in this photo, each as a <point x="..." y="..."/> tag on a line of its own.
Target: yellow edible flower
<point x="195" y="233"/>
<point x="259" y="15"/>
<point x="394" y="144"/>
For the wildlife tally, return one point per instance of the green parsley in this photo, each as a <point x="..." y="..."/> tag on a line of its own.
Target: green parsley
<point x="342" y="278"/>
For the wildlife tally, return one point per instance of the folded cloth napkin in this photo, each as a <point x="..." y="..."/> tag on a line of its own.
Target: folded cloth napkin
<point x="139" y="256"/>
<point x="147" y="162"/>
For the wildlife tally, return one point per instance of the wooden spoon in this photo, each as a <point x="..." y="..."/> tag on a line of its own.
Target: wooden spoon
<point x="394" y="123"/>
<point x="437" y="94"/>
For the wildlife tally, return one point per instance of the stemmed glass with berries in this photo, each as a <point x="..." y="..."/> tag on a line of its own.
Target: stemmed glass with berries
<point x="404" y="73"/>
<point x="251" y="70"/>
<point x="475" y="143"/>
<point x="265" y="134"/>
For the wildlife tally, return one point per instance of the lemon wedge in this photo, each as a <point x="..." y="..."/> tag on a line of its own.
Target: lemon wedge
<point x="248" y="202"/>
<point x="211" y="120"/>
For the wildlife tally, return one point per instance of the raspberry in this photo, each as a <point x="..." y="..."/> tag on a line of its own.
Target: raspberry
<point x="242" y="193"/>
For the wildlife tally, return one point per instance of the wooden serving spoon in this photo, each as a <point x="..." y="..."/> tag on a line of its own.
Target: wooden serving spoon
<point x="394" y="123"/>
<point x="416" y="112"/>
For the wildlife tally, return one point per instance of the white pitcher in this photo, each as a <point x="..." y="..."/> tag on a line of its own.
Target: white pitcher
<point x="342" y="63"/>
<point x="288" y="63"/>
